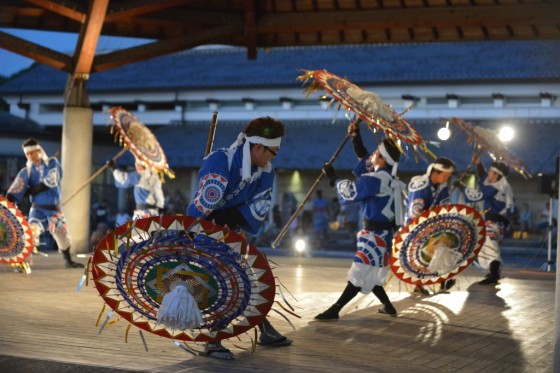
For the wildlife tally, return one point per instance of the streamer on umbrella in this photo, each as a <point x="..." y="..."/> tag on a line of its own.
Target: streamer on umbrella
<point x="438" y="244"/>
<point x="135" y="266"/>
<point x="484" y="139"/>
<point x="16" y="237"/>
<point x="366" y="105"/>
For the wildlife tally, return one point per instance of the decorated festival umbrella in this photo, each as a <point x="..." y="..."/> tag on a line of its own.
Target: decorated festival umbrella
<point x="16" y="238"/>
<point x="135" y="136"/>
<point x="137" y="265"/>
<point x="366" y="105"/>
<point x="484" y="139"/>
<point x="438" y="244"/>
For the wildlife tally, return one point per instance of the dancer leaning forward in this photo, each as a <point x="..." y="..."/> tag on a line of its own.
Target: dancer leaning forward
<point x="379" y="193"/>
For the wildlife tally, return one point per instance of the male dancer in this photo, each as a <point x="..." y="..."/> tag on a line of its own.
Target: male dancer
<point x="235" y="190"/>
<point x="40" y="180"/>
<point x="379" y="194"/>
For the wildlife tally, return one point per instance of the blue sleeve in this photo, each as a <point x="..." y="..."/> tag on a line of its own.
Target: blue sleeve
<point x="361" y="167"/>
<point x="256" y="209"/>
<point x="482" y="193"/>
<point x="213" y="178"/>
<point x="19" y="185"/>
<point x="125" y="179"/>
<point x="362" y="188"/>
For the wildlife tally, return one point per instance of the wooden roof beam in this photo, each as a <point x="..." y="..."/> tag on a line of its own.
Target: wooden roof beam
<point x="36" y="52"/>
<point x="251" y="29"/>
<point x="122" y="12"/>
<point x="76" y="12"/>
<point x="160" y="48"/>
<point x="89" y="36"/>
<point x="456" y="16"/>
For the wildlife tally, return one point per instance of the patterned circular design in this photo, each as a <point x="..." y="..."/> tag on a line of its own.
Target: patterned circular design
<point x="367" y="106"/>
<point x="438" y="244"/>
<point x="487" y="140"/>
<point x="231" y="281"/>
<point x="139" y="139"/>
<point x="16" y="239"/>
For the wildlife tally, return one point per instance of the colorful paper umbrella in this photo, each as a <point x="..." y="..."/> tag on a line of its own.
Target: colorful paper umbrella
<point x="135" y="266"/>
<point x="137" y="137"/>
<point x="484" y="139"/>
<point x="366" y="105"/>
<point x="16" y="238"/>
<point x="438" y="244"/>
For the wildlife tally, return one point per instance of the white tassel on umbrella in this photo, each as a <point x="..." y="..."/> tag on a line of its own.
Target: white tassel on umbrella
<point x="179" y="309"/>
<point x="444" y="259"/>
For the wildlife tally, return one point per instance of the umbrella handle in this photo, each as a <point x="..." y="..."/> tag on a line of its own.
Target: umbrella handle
<point x="309" y="193"/>
<point x="88" y="181"/>
<point x="212" y="132"/>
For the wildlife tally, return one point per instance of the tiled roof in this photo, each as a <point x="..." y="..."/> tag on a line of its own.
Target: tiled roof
<point x="308" y="145"/>
<point x="369" y="64"/>
<point x="16" y="125"/>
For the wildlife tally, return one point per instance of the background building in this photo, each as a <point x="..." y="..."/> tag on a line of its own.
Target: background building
<point x="486" y="83"/>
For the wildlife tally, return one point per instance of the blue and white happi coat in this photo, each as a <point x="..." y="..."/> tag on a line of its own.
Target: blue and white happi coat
<point x="48" y="172"/>
<point x="498" y="199"/>
<point x="221" y="186"/>
<point x="148" y="191"/>
<point x="423" y="195"/>
<point x="375" y="192"/>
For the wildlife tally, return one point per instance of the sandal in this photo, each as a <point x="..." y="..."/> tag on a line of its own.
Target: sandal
<point x="217" y="351"/>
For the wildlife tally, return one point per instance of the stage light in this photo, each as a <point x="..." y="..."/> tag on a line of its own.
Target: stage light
<point x="506" y="134"/>
<point x="444" y="132"/>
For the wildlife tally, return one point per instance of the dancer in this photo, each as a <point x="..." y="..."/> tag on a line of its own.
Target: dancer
<point x="40" y="180"/>
<point x="379" y="193"/>
<point x="427" y="191"/>
<point x="235" y="190"/>
<point x="148" y="192"/>
<point x="497" y="194"/>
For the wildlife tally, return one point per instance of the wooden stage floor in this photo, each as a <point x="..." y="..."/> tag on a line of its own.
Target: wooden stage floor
<point x="473" y="328"/>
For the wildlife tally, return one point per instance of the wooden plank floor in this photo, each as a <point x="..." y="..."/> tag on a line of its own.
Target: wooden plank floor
<point x="474" y="328"/>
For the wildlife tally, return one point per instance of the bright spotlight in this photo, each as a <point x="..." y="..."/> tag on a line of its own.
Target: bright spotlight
<point x="300" y="245"/>
<point x="506" y="134"/>
<point x="444" y="132"/>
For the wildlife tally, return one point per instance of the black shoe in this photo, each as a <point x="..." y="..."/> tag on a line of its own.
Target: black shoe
<point x="329" y="315"/>
<point x="448" y="284"/>
<point x="388" y="309"/>
<point x="71" y="264"/>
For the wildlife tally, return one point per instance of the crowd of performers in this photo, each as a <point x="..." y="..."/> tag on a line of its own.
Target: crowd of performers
<point x="235" y="190"/>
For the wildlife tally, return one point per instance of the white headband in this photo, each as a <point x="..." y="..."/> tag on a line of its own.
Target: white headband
<point x="390" y="161"/>
<point x="264" y="141"/>
<point x="246" y="162"/>
<point x="385" y="154"/>
<point x="440" y="167"/>
<point x="30" y="148"/>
